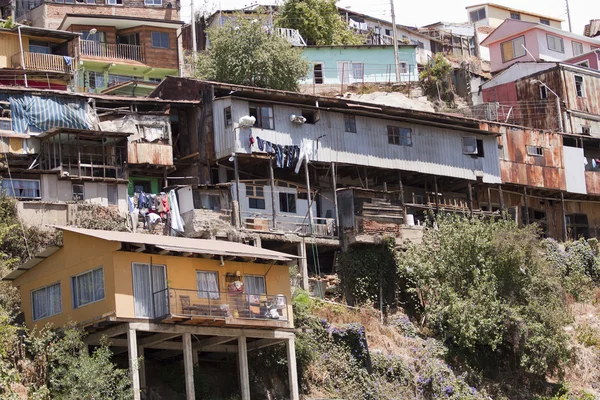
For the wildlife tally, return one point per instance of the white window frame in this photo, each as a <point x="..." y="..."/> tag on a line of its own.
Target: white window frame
<point x="114" y="2"/>
<point x="578" y="53"/>
<point x="57" y="312"/>
<point x="582" y="85"/>
<point x="555" y="39"/>
<point x="246" y="278"/>
<point x="207" y="294"/>
<point x="518" y="51"/>
<point x="403" y="134"/>
<point x="153" y="3"/>
<point x="404" y="67"/>
<point x="344" y="69"/>
<point x="75" y="302"/>
<point x="39" y="188"/>
<point x="322" y="77"/>
<point x="287" y="195"/>
<point x="477" y="14"/>
<point x="535" y="151"/>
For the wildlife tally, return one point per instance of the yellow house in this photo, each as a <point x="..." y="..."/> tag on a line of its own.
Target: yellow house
<point x="154" y="292"/>
<point x="490" y="14"/>
<point x="37" y="57"/>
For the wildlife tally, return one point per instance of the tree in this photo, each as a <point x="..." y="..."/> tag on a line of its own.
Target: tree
<point x="248" y="54"/>
<point x="318" y="22"/>
<point x="434" y="79"/>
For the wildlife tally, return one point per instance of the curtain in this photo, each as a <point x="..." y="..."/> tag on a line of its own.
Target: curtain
<point x="142" y="290"/>
<point x="208" y="285"/>
<point x="46" y="302"/>
<point x="254" y="284"/>
<point x="21" y="188"/>
<point x="160" y="295"/>
<point x="85" y="289"/>
<point x="98" y="276"/>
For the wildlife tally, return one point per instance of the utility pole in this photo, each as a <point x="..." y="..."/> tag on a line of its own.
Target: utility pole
<point x="395" y="36"/>
<point x="194" y="43"/>
<point x="569" y="15"/>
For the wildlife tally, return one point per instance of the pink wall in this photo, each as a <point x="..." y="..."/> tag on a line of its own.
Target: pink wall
<point x="531" y="43"/>
<point x="505" y="94"/>
<point x="592" y="58"/>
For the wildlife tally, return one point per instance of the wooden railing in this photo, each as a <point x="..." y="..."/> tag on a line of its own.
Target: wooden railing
<point x="44" y="62"/>
<point x="112" y="50"/>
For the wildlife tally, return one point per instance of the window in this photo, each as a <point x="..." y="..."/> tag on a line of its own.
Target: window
<point x="206" y="200"/>
<point x="114" y="79"/>
<point x="142" y="186"/>
<point x="472" y="146"/>
<point x="399" y="136"/>
<point x="514" y="15"/>
<point x="133" y="39"/>
<point x="536" y="151"/>
<point x="350" y="123"/>
<point x="287" y="202"/>
<point x="388" y="32"/>
<point x="585" y="64"/>
<point x="312" y="116"/>
<point x="420" y="44"/>
<point x="96" y="80"/>
<point x="577" y="226"/>
<point x="579" y="86"/>
<point x="512" y="49"/>
<point x="577" y="48"/>
<point x="318" y="73"/>
<point x="544" y="21"/>
<point x="95" y="37"/>
<point x="254" y="284"/>
<point x="113" y="195"/>
<point x="358" y="70"/>
<point x="403" y="68"/>
<point x="160" y="40"/>
<point x="78" y="191"/>
<point x="227" y="116"/>
<point x="36" y="46"/>
<point x="263" y="115"/>
<point x="88" y="287"/>
<point x="153" y="2"/>
<point x="256" y="197"/>
<point x="555" y="43"/>
<point x="115" y="2"/>
<point x="344" y="68"/>
<point x="586" y="130"/>
<point x="477" y="15"/>
<point x="21" y="188"/>
<point x="543" y="92"/>
<point x="46" y="302"/>
<point x="208" y="284"/>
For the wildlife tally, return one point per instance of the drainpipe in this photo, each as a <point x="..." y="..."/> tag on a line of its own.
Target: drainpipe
<point x="22" y="54"/>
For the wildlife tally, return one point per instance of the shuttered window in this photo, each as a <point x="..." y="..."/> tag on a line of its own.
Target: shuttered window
<point x="512" y="49"/>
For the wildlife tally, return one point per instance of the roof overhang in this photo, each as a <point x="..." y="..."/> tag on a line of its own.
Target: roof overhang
<point x="515" y="10"/>
<point x="42" y="32"/>
<point x="117" y="22"/>
<point x="38" y="258"/>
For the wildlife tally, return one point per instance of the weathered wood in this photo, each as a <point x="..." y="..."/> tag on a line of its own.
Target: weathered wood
<point x="156" y="339"/>
<point x="303" y="264"/>
<point x="335" y="200"/>
<point x="501" y="195"/>
<point x="236" y="172"/>
<point x="437" y="198"/>
<point x="142" y="366"/>
<point x="133" y="362"/>
<point x="526" y="205"/>
<point x="489" y="198"/>
<point x="273" y="202"/>
<point x="262" y="343"/>
<point x="243" y="368"/>
<point x="188" y="366"/>
<point x="470" y="197"/>
<point x="564" y="217"/>
<point x="292" y="369"/>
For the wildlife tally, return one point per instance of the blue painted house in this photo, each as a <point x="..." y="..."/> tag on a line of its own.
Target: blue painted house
<point x="334" y="65"/>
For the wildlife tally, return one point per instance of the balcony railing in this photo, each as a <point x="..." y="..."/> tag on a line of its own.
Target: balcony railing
<point x="112" y="50"/>
<point x="43" y="62"/>
<point x="194" y="303"/>
<point x="321" y="227"/>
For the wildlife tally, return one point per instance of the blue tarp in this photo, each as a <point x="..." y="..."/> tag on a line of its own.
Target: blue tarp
<point x="38" y="114"/>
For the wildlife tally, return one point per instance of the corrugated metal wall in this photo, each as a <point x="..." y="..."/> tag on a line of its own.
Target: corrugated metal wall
<point x="434" y="151"/>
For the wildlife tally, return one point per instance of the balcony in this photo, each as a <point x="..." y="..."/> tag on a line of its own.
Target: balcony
<point x="321" y="227"/>
<point x="112" y="50"/>
<point x="181" y="305"/>
<point x="43" y="62"/>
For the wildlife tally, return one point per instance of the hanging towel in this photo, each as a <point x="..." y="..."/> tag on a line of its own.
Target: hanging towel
<point x="268" y="147"/>
<point x="176" y="220"/>
<point x="68" y="60"/>
<point x="261" y="143"/>
<point x="278" y="155"/>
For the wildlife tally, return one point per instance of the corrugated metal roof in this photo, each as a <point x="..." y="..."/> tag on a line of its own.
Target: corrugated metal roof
<point x="170" y="243"/>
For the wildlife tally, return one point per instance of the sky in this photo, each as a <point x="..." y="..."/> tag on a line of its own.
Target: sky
<point x="417" y="13"/>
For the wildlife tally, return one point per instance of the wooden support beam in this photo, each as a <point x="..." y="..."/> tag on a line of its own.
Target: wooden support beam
<point x="243" y="368"/>
<point x="335" y="200"/>
<point x="236" y="171"/>
<point x="262" y="343"/>
<point x="142" y="366"/>
<point x="526" y="205"/>
<point x="501" y="195"/>
<point x="489" y="198"/>
<point x="188" y="365"/>
<point x="292" y="369"/>
<point x="214" y="341"/>
<point x="133" y="363"/>
<point x="303" y="264"/>
<point x="564" y="217"/>
<point x="156" y="339"/>
<point x="470" y="197"/>
<point x="210" y="331"/>
<point x="273" y="202"/>
<point x="140" y="248"/>
<point x="437" y="197"/>
<point x="164" y="252"/>
<point x="402" y="204"/>
<point x="109" y="332"/>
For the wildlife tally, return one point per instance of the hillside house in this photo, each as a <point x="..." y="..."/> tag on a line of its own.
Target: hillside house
<point x="515" y="41"/>
<point x="150" y="294"/>
<point x="493" y="15"/>
<point x="348" y="65"/>
<point x="37" y="57"/>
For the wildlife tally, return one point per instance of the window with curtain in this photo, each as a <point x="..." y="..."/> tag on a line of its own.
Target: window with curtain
<point x="255" y="284"/>
<point x="21" y="188"/>
<point x="88" y="287"/>
<point x="208" y="284"/>
<point x="46" y="302"/>
<point x="512" y="49"/>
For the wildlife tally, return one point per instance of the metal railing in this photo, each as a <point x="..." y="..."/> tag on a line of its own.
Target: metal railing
<point x="112" y="50"/>
<point x="43" y="62"/>
<point x="321" y="227"/>
<point x="293" y="36"/>
<point x="195" y="303"/>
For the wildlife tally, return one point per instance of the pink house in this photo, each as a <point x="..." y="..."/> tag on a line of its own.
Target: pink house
<point x="517" y="41"/>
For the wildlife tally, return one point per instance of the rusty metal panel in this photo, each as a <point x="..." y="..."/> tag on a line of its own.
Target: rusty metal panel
<point x="149" y="153"/>
<point x="592" y="182"/>
<point x="536" y="112"/>
<point x="589" y="102"/>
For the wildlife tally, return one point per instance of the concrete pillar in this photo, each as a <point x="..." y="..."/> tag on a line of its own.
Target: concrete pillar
<point x="132" y="348"/>
<point x="142" y="367"/>
<point x="243" y="367"/>
<point x="303" y="264"/>
<point x="188" y="366"/>
<point x="292" y="371"/>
